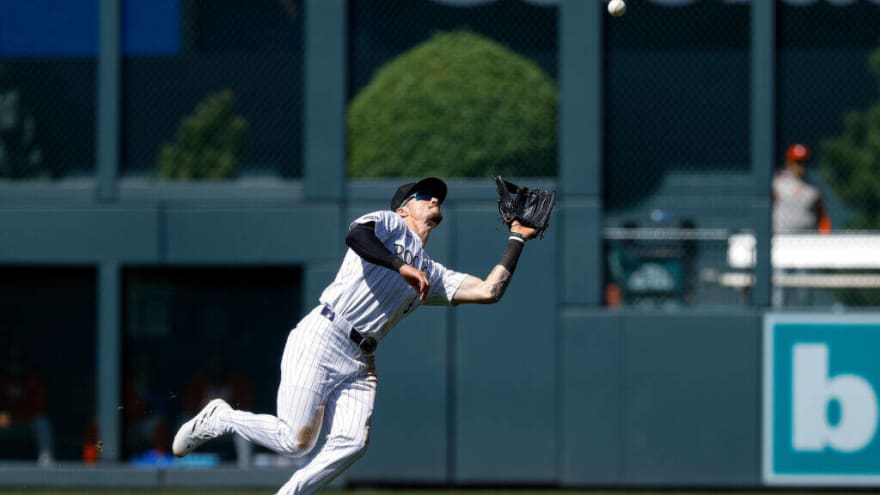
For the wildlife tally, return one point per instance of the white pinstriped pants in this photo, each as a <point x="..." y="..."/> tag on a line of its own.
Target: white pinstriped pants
<point x="324" y="378"/>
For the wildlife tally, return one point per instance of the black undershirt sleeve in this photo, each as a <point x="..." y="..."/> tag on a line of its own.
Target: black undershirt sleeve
<point x="511" y="254"/>
<point x="363" y="241"/>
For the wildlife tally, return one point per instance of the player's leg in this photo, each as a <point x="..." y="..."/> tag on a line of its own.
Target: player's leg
<point x="349" y="409"/>
<point x="293" y="437"/>
<point x="304" y="385"/>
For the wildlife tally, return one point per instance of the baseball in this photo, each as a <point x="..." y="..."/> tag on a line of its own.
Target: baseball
<point x="617" y="7"/>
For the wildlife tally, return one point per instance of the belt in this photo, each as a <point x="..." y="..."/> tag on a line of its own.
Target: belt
<point x="366" y="344"/>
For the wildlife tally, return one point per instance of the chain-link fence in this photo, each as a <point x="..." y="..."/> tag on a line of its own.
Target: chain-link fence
<point x="677" y="153"/>
<point x="677" y="163"/>
<point x="212" y="89"/>
<point x="47" y="89"/>
<point x="469" y="88"/>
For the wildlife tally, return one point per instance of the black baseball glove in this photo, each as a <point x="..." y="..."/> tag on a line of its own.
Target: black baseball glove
<point x="531" y="207"/>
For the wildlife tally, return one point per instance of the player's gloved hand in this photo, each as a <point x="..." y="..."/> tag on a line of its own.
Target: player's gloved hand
<point x="530" y="207"/>
<point x="416" y="279"/>
<point x="527" y="232"/>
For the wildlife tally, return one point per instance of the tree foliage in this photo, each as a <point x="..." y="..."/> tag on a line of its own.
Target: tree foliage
<point x="850" y="162"/>
<point x="20" y="155"/>
<point x="208" y="143"/>
<point x="457" y="105"/>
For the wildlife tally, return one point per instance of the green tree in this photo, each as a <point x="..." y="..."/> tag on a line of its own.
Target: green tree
<point x="458" y="105"/>
<point x="20" y="155"/>
<point x="208" y="143"/>
<point x="850" y="163"/>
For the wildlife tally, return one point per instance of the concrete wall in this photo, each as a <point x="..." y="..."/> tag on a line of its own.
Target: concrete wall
<point x="600" y="399"/>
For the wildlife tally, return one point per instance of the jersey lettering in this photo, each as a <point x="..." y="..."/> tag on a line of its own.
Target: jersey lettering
<point x="407" y="256"/>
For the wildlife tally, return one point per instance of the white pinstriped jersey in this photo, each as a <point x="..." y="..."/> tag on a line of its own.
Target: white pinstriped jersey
<point x="373" y="298"/>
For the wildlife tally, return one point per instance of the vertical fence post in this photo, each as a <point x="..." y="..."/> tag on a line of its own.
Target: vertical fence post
<point x="108" y="350"/>
<point x="580" y="151"/>
<point x="324" y="99"/>
<point x="763" y="133"/>
<point x="107" y="125"/>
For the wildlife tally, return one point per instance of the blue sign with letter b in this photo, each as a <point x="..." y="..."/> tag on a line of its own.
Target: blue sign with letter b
<point x="821" y="385"/>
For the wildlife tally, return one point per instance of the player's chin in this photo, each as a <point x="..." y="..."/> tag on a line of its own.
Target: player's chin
<point x="434" y="219"/>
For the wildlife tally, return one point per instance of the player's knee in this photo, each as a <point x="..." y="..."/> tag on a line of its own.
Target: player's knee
<point x="298" y="444"/>
<point x="306" y="443"/>
<point x="295" y="448"/>
<point x="351" y="448"/>
<point x="299" y="439"/>
<point x="360" y="447"/>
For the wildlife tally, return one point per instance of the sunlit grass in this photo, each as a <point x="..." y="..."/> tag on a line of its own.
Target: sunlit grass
<point x="523" y="491"/>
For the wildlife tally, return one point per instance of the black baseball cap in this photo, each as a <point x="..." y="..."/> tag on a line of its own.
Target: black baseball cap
<point x="429" y="185"/>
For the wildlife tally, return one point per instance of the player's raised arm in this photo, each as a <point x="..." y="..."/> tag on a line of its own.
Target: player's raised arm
<point x="490" y="290"/>
<point x="527" y="213"/>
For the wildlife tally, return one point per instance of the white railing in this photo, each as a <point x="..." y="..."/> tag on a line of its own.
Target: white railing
<point x="851" y="251"/>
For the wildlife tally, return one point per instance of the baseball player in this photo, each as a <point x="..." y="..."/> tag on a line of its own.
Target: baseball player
<point x="327" y="368"/>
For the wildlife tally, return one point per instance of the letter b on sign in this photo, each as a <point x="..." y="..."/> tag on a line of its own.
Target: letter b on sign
<point x="821" y="412"/>
<point x="813" y="393"/>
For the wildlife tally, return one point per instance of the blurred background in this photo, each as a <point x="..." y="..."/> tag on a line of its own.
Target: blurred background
<point x="177" y="178"/>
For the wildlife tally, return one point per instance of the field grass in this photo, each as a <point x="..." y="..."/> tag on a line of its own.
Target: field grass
<point x="413" y="492"/>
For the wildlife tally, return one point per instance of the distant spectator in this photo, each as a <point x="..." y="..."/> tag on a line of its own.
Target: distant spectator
<point x="23" y="403"/>
<point x="797" y="205"/>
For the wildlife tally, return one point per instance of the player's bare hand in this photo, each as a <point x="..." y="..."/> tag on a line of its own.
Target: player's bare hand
<point x="416" y="279"/>
<point x="527" y="232"/>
